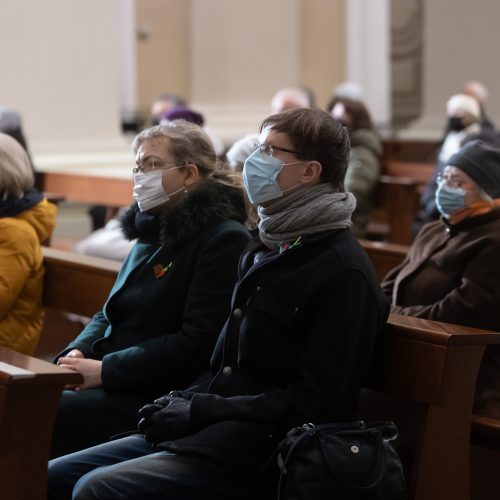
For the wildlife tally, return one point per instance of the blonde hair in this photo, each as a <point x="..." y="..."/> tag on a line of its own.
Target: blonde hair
<point x="16" y="174"/>
<point x="188" y="143"/>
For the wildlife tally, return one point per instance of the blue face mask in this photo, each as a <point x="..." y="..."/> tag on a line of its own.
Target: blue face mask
<point x="448" y="200"/>
<point x="260" y="173"/>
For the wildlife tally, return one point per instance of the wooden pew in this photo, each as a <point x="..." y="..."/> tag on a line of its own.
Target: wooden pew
<point x="485" y="431"/>
<point x="427" y="373"/>
<point x="420" y="173"/>
<point x="410" y="150"/>
<point x="29" y="396"/>
<point x="73" y="283"/>
<point x="76" y="283"/>
<point x="395" y="206"/>
<point x="384" y="256"/>
<point x="428" y="366"/>
<point x="96" y="189"/>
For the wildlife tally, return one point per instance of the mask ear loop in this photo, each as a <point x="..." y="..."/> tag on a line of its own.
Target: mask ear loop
<point x="296" y="185"/>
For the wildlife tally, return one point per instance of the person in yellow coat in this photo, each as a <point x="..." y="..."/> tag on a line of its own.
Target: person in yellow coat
<point x="26" y="219"/>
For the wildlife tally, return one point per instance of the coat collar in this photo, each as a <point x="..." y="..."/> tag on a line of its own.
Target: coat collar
<point x="209" y="203"/>
<point x="471" y="222"/>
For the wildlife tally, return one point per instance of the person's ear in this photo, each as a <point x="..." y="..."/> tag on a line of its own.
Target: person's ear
<point x="192" y="174"/>
<point x="312" y="172"/>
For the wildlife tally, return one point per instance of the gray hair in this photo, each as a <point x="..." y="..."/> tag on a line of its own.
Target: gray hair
<point x="240" y="151"/>
<point x="16" y="174"/>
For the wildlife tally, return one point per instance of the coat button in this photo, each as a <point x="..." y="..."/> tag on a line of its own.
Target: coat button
<point x="226" y="371"/>
<point x="237" y="312"/>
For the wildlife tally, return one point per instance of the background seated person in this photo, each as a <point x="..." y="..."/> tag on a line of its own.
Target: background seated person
<point x="463" y="125"/>
<point x="452" y="271"/>
<point x="363" y="171"/>
<point x="296" y="347"/>
<point x="11" y="124"/>
<point x="154" y="332"/>
<point x="26" y="219"/>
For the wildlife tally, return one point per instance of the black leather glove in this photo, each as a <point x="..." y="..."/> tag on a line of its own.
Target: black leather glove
<point x="147" y="410"/>
<point x="162" y="423"/>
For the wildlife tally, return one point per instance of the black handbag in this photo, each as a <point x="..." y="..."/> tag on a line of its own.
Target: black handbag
<point x="343" y="461"/>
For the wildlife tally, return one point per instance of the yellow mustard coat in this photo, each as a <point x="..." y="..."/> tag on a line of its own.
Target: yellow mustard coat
<point x="21" y="275"/>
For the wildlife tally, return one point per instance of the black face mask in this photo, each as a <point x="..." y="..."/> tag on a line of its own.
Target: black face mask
<point x="455" y="123"/>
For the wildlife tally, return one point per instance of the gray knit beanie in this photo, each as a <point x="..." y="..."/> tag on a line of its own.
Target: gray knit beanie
<point x="482" y="163"/>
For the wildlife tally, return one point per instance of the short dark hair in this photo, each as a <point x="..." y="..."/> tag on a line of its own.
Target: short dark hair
<point x="315" y="135"/>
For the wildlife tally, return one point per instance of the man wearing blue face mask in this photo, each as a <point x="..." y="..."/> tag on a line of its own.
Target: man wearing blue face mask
<point x="296" y="347"/>
<point x="452" y="270"/>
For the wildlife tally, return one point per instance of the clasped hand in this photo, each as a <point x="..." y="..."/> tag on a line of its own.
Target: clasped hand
<point x="90" y="369"/>
<point x="166" y="418"/>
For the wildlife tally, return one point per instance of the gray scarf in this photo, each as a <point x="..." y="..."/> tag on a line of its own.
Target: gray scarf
<point x="304" y="212"/>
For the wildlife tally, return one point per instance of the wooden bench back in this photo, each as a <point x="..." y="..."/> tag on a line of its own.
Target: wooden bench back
<point x="431" y="365"/>
<point x="420" y="173"/>
<point x="29" y="396"/>
<point x="397" y="200"/>
<point x="410" y="150"/>
<point x="75" y="283"/>
<point x="485" y="431"/>
<point x="395" y="206"/>
<point x="384" y="256"/>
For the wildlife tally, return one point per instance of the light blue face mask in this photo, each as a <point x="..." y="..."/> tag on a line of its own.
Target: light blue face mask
<point x="448" y="200"/>
<point x="260" y="172"/>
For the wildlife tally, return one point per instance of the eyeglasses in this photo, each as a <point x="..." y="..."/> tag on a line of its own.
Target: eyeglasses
<point x="155" y="165"/>
<point x="268" y="149"/>
<point x="454" y="182"/>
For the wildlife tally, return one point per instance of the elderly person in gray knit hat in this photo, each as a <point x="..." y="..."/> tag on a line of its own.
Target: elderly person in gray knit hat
<point x="452" y="271"/>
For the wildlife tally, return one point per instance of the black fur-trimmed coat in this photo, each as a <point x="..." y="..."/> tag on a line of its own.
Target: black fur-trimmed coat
<point x="171" y="298"/>
<point x="162" y="318"/>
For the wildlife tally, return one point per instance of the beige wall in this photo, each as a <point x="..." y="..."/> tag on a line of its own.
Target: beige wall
<point x="60" y="70"/>
<point x="461" y="41"/>
<point x="163" y="47"/>
<point x="322" y="46"/>
<point x="242" y="52"/>
<point x="72" y="67"/>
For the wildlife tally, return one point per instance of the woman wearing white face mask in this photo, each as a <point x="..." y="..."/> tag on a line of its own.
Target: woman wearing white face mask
<point x="452" y="271"/>
<point x="158" y="327"/>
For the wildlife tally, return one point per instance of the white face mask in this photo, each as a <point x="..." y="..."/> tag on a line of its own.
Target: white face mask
<point x="148" y="190"/>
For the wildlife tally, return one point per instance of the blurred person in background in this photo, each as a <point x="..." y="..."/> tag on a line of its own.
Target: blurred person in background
<point x="463" y="125"/>
<point x="363" y="171"/>
<point x="480" y="93"/>
<point x="26" y="220"/>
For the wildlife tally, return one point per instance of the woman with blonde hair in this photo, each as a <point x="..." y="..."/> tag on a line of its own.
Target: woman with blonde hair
<point x="154" y="331"/>
<point x="26" y="219"/>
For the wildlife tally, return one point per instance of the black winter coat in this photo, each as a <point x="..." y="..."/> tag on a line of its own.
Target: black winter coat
<point x="295" y="349"/>
<point x="157" y="332"/>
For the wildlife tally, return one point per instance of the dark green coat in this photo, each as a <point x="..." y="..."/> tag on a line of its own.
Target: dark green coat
<point x="157" y="332"/>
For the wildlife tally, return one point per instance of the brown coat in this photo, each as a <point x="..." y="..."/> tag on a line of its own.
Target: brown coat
<point x="452" y="274"/>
